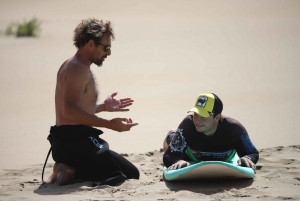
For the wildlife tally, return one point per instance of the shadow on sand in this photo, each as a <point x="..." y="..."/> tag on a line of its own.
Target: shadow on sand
<point x="53" y="189"/>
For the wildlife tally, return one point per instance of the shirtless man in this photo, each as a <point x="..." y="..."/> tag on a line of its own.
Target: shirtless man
<point x="78" y="151"/>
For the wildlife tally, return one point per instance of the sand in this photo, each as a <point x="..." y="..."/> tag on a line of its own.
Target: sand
<point x="277" y="178"/>
<point x="165" y="53"/>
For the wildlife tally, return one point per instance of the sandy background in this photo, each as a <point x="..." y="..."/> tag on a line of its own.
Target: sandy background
<point x="165" y="53"/>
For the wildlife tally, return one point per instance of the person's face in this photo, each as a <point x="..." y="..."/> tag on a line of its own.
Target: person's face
<point x="204" y="125"/>
<point x="99" y="53"/>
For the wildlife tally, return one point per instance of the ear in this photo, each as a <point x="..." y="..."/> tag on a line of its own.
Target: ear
<point x="217" y="118"/>
<point x="91" y="44"/>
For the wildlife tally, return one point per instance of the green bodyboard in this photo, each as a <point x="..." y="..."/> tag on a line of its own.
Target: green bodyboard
<point x="210" y="170"/>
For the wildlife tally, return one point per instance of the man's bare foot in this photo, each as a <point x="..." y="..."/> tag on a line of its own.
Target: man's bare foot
<point x="65" y="174"/>
<point x="53" y="177"/>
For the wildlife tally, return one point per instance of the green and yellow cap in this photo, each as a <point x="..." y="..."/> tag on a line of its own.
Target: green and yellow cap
<point x="207" y="104"/>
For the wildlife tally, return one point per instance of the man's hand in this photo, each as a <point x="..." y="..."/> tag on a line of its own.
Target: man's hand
<point x="178" y="165"/>
<point x="121" y="124"/>
<point x="113" y="105"/>
<point x="246" y="163"/>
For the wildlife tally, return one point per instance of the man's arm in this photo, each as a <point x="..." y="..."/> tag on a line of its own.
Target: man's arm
<point x="100" y="108"/>
<point x="247" y="151"/>
<point x="77" y="76"/>
<point x="175" y="152"/>
<point x="169" y="158"/>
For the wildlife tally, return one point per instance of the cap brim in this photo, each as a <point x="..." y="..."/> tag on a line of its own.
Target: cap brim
<point x="201" y="112"/>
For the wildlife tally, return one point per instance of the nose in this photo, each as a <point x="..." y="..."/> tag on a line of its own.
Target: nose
<point x="199" y="119"/>
<point x="108" y="52"/>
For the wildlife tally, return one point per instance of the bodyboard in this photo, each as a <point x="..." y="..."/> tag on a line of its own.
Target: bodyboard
<point x="210" y="170"/>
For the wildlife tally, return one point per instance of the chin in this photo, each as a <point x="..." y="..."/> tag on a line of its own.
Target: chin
<point x="199" y="129"/>
<point x="98" y="63"/>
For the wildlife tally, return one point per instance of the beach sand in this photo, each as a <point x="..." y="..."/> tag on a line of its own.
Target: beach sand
<point x="278" y="178"/>
<point x="165" y="54"/>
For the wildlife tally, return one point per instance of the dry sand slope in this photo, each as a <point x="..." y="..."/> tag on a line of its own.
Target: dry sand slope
<point x="278" y="178"/>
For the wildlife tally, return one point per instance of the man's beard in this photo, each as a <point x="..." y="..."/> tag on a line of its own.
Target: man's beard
<point x="98" y="62"/>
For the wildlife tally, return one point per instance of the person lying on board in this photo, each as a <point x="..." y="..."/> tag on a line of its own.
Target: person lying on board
<point x="207" y="135"/>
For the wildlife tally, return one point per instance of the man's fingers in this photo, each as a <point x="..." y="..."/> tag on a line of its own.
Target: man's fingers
<point x="114" y="94"/>
<point x="128" y="121"/>
<point x="176" y="166"/>
<point x="122" y="119"/>
<point x="243" y="162"/>
<point x="253" y="166"/>
<point x="125" y="105"/>
<point x="132" y="124"/>
<point x="246" y="163"/>
<point x="239" y="162"/>
<point x="125" y="100"/>
<point x="185" y="164"/>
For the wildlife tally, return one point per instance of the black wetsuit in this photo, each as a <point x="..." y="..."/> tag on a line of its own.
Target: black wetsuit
<point x="79" y="146"/>
<point x="190" y="145"/>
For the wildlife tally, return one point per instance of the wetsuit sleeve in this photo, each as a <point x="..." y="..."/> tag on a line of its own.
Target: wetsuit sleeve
<point x="246" y="148"/>
<point x="177" y="146"/>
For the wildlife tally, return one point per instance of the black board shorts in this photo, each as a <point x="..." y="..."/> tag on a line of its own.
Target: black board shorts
<point x="81" y="147"/>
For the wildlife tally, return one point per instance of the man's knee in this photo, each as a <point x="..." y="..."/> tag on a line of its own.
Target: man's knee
<point x="134" y="174"/>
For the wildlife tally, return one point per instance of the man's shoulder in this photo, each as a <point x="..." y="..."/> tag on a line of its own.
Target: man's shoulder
<point x="231" y="123"/>
<point x="72" y="67"/>
<point x="188" y="119"/>
<point x="228" y="119"/>
<point x="187" y="122"/>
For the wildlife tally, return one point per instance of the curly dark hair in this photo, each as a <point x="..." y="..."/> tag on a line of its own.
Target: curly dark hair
<point x="91" y="29"/>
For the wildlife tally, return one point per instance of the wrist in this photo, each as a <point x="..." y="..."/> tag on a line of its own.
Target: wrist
<point x="104" y="107"/>
<point x="104" y="123"/>
<point x="101" y="107"/>
<point x="248" y="157"/>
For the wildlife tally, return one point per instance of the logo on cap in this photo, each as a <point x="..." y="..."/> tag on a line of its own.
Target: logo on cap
<point x="202" y="101"/>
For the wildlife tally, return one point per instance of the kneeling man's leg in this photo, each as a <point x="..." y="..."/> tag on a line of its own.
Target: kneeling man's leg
<point x="65" y="174"/>
<point x="126" y="166"/>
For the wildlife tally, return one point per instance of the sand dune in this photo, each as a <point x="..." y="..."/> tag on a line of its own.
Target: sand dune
<point x="277" y="178"/>
<point x="165" y="53"/>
